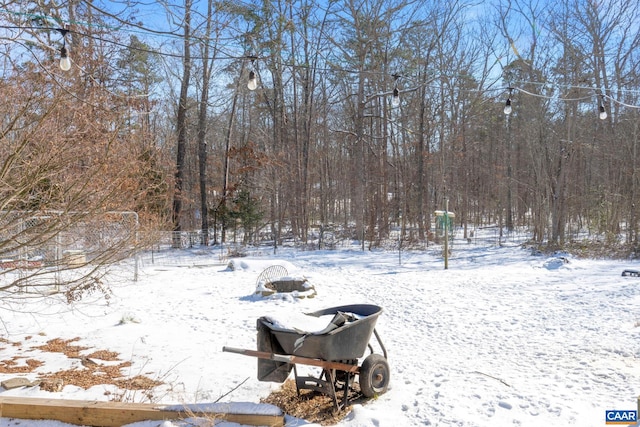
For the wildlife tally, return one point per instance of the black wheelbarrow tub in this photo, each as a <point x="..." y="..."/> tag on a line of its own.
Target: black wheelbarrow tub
<point x="345" y="338"/>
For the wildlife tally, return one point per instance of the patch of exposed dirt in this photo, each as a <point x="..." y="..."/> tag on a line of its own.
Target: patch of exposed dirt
<point x="310" y="406"/>
<point x="93" y="371"/>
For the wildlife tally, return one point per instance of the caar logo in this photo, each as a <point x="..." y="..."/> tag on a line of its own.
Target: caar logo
<point x="621" y="417"/>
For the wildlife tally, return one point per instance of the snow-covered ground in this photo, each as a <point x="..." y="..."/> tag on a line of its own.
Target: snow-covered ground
<point x="501" y="338"/>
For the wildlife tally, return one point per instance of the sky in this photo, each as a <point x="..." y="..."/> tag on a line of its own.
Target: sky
<point x="504" y="337"/>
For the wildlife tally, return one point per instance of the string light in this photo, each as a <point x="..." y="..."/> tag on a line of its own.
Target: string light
<point x="395" y="98"/>
<point x="576" y="99"/>
<point x="602" y="111"/>
<point x="252" y="84"/>
<point x="65" y="64"/>
<point x="507" y="105"/>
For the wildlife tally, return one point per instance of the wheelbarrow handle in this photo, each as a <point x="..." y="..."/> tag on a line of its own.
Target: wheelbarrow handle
<point x="294" y="359"/>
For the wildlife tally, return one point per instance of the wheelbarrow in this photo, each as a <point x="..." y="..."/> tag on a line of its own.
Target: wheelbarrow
<point x="335" y="349"/>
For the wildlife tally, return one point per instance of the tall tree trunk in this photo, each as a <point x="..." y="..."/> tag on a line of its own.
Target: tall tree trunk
<point x="222" y="208"/>
<point x="181" y="124"/>
<point x="207" y="64"/>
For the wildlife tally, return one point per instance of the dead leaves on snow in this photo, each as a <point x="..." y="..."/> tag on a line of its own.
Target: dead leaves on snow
<point x="309" y="405"/>
<point x="101" y="367"/>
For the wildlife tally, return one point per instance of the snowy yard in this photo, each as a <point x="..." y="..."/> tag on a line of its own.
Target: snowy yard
<point x="500" y="338"/>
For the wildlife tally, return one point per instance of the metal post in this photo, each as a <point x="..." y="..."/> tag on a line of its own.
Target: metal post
<point x="446" y="234"/>
<point x="137" y="253"/>
<point x="400" y="239"/>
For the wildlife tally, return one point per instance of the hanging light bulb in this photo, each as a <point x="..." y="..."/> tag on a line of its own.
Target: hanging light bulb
<point x="395" y="99"/>
<point x="252" y="84"/>
<point x="603" y="111"/>
<point x="507" y="107"/>
<point x="65" y="62"/>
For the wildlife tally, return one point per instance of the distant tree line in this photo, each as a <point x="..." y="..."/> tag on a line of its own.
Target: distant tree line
<point x="368" y="115"/>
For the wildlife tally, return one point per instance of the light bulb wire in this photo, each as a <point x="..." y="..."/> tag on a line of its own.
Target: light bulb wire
<point x="65" y="31"/>
<point x="64" y="52"/>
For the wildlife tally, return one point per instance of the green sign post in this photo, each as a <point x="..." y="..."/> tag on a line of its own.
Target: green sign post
<point x="444" y="224"/>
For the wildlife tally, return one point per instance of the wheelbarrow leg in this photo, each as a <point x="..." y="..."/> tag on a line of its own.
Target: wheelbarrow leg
<point x="325" y="386"/>
<point x="295" y="374"/>
<point x="330" y="378"/>
<point x="347" y="386"/>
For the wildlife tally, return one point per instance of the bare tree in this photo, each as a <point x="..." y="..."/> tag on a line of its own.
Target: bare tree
<point x="70" y="173"/>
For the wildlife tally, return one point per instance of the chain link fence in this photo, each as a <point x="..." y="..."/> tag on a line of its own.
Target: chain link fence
<point x="52" y="242"/>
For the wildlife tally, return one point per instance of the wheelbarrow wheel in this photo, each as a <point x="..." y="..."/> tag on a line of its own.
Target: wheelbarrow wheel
<point x="374" y="375"/>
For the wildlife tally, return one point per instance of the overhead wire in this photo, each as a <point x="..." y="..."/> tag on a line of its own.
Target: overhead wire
<point x="226" y="55"/>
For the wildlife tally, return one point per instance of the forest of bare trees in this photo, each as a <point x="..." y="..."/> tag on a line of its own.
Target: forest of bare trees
<point x="364" y="115"/>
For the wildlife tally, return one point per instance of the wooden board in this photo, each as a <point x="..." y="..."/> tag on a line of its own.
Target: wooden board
<point x="116" y="414"/>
